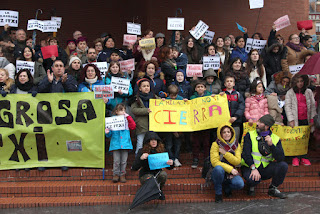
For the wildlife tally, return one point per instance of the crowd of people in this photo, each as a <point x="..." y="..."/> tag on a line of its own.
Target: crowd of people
<point x="259" y="87"/>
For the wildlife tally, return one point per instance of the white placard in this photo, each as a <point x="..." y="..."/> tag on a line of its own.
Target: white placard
<point x="46" y="26"/>
<point x="194" y="70"/>
<point x="282" y="22"/>
<point x="255" y="44"/>
<point x="199" y="30"/>
<point x="102" y="66"/>
<point x="134" y="28"/>
<point x="211" y="62"/>
<point x="127" y="65"/>
<point x="295" y="68"/>
<point x="175" y="24"/>
<point x="103" y="91"/>
<point x="25" y="65"/>
<point x="129" y="39"/>
<point x="9" y="17"/>
<point x="58" y="20"/>
<point x="254" y="4"/>
<point x="115" y="123"/>
<point x="209" y="36"/>
<point x="120" y="84"/>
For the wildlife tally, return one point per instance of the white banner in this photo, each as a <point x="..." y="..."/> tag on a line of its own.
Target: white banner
<point x="120" y="84"/>
<point x="102" y="66"/>
<point x="175" y="24"/>
<point x="282" y="22"/>
<point x="25" y="65"/>
<point x="211" y="62"/>
<point x="115" y="123"/>
<point x="46" y="26"/>
<point x="199" y="30"/>
<point x="194" y="70"/>
<point x="254" y="4"/>
<point x="295" y="68"/>
<point x="127" y="65"/>
<point x="9" y="17"/>
<point x="58" y="20"/>
<point x="255" y="44"/>
<point x="103" y="91"/>
<point x="134" y="28"/>
<point x="209" y="36"/>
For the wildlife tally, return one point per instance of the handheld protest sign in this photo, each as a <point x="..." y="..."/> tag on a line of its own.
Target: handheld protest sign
<point x="158" y="161"/>
<point x="199" y="30"/>
<point x="120" y="84"/>
<point x="147" y="44"/>
<point x="294" y="69"/>
<point x="58" y="20"/>
<point x="211" y="62"/>
<point x="208" y="35"/>
<point x="133" y="28"/>
<point x="129" y="39"/>
<point x="103" y="91"/>
<point x="127" y="65"/>
<point x="194" y="70"/>
<point x="240" y="27"/>
<point x="175" y="23"/>
<point x="282" y="22"/>
<point x="25" y="65"/>
<point x="115" y="123"/>
<point x="255" y="4"/>
<point x="49" y="51"/>
<point x="255" y="44"/>
<point x="9" y="17"/>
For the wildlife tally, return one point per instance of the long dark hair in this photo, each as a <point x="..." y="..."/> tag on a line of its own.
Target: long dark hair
<point x="33" y="58"/>
<point x="193" y="51"/>
<point x="254" y="84"/>
<point x="84" y="72"/>
<point x="250" y="66"/>
<point x="295" y="80"/>
<point x="159" y="149"/>
<point x="16" y="81"/>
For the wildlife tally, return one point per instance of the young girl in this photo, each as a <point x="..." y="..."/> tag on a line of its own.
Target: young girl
<point x="255" y="68"/>
<point x="300" y="108"/>
<point x="120" y="144"/>
<point x="140" y="109"/>
<point x="75" y="68"/>
<point x="5" y="82"/>
<point x="257" y="104"/>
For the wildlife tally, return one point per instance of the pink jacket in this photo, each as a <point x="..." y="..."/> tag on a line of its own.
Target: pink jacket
<point x="255" y="109"/>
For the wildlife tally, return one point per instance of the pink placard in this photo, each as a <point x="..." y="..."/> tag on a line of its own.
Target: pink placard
<point x="194" y="70"/>
<point x="127" y="65"/>
<point x="129" y="39"/>
<point x="282" y="22"/>
<point x="49" y="51"/>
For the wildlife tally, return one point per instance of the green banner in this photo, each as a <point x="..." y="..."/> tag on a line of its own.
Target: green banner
<point x="51" y="130"/>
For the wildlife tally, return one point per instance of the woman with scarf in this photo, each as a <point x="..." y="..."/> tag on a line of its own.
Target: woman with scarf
<point x="168" y="65"/>
<point x="239" y="50"/>
<point x="89" y="77"/>
<point x="225" y="155"/>
<point x="23" y="83"/>
<point x="75" y="67"/>
<point x="193" y="50"/>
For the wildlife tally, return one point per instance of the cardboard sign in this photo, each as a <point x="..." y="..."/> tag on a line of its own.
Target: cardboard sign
<point x="175" y="24"/>
<point x="115" y="123"/>
<point x="58" y="20"/>
<point x="254" y="4"/>
<point x="211" y="62"/>
<point x="49" y="51"/>
<point x="129" y="39"/>
<point x="194" y="70"/>
<point x="103" y="91"/>
<point x="240" y="28"/>
<point x="295" y="68"/>
<point x="9" y="17"/>
<point x="134" y="28"/>
<point x="158" y="161"/>
<point x="199" y="30"/>
<point x="120" y="84"/>
<point x="209" y="36"/>
<point x="102" y="66"/>
<point x="255" y="44"/>
<point x="282" y="22"/>
<point x="25" y="65"/>
<point x="147" y="44"/>
<point x="127" y="65"/>
<point x="43" y="26"/>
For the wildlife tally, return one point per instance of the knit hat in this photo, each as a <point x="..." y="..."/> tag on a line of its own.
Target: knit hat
<point x="80" y="39"/>
<point x="267" y="120"/>
<point x="160" y="35"/>
<point x="72" y="58"/>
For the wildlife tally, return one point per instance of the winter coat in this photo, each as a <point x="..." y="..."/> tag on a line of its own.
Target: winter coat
<point x="242" y="83"/>
<point x="294" y="58"/>
<point x="141" y="116"/>
<point x="225" y="64"/>
<point x="236" y="106"/>
<point x="86" y="87"/>
<point x="5" y="64"/>
<point x="273" y="88"/>
<point x="105" y="54"/>
<point x="169" y="71"/>
<point x="121" y="139"/>
<point x="185" y="89"/>
<point x="70" y="85"/>
<point x="13" y="89"/>
<point x="255" y="108"/>
<point x="215" y="87"/>
<point x="39" y="73"/>
<point x="157" y="87"/>
<point x="141" y="57"/>
<point x="274" y="109"/>
<point x="182" y="62"/>
<point x="239" y="52"/>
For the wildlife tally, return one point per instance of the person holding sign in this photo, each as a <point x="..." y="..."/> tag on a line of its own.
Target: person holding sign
<point x="24" y="83"/>
<point x="300" y="109"/>
<point x="254" y="67"/>
<point x="152" y="144"/>
<point x="168" y="65"/>
<point x="5" y="82"/>
<point x="89" y="77"/>
<point x="239" y="50"/>
<point x="120" y="144"/>
<point x="225" y="155"/>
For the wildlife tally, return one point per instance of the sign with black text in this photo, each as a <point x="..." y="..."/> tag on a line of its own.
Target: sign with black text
<point x="120" y="84"/>
<point x="211" y="62"/>
<point x="102" y="66"/>
<point x="295" y="68"/>
<point x="115" y="123"/>
<point x="9" y="17"/>
<point x="25" y="65"/>
<point x="199" y="30"/>
<point x="255" y="44"/>
<point x="175" y="24"/>
<point x="134" y="28"/>
<point x="209" y="36"/>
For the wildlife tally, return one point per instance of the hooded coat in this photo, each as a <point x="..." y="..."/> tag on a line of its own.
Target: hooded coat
<point x="185" y="89"/>
<point x="215" y="87"/>
<point x="272" y="61"/>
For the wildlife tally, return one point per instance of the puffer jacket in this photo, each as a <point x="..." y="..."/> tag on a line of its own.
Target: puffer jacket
<point x="255" y="108"/>
<point x="86" y="87"/>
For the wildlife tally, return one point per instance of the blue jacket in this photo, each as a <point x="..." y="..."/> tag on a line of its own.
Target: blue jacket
<point x="182" y="62"/>
<point x="105" y="54"/>
<point x="70" y="85"/>
<point x="86" y="87"/>
<point x="239" y="52"/>
<point x="157" y="87"/>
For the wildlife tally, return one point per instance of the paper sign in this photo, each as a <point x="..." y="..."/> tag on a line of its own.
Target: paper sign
<point x="295" y="68"/>
<point x="199" y="30"/>
<point x="134" y="28"/>
<point x="209" y="36"/>
<point x="127" y="65"/>
<point x="49" y="51"/>
<point x="314" y="38"/>
<point x="9" y="17"/>
<point x="102" y="66"/>
<point x="255" y="44"/>
<point x="282" y="22"/>
<point x="158" y="161"/>
<point x="194" y="70"/>
<point x="43" y="26"/>
<point x="74" y="145"/>
<point x="25" y="65"/>
<point x="115" y="123"/>
<point x="129" y="39"/>
<point x="175" y="24"/>
<point x="211" y="62"/>
<point x="147" y="44"/>
<point x="120" y="84"/>
<point x="254" y="4"/>
<point x="103" y="91"/>
<point x="58" y="20"/>
<point x="240" y="27"/>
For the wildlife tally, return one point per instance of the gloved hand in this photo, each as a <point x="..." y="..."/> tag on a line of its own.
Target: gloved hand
<point x="3" y="93"/>
<point x="34" y="93"/>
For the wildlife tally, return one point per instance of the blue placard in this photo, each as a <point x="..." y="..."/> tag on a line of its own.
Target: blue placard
<point x="240" y="27"/>
<point x="158" y="161"/>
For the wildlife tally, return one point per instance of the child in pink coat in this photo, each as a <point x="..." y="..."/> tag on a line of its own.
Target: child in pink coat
<point x="257" y="104"/>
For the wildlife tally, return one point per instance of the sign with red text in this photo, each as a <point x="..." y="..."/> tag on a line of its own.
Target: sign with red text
<point x="199" y="30"/>
<point x="129" y="39"/>
<point x="282" y="22"/>
<point x="127" y="65"/>
<point x="9" y="17"/>
<point x="103" y="91"/>
<point x="175" y="24"/>
<point x="194" y="70"/>
<point x="147" y="44"/>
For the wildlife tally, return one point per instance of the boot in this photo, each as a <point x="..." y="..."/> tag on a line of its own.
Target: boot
<point x="274" y="192"/>
<point x="123" y="179"/>
<point x="115" y="178"/>
<point x="195" y="163"/>
<point x="218" y="199"/>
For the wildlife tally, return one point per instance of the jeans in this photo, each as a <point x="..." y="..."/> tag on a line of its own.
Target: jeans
<point x="140" y="138"/>
<point x="120" y="162"/>
<point x="218" y="177"/>
<point x="173" y="142"/>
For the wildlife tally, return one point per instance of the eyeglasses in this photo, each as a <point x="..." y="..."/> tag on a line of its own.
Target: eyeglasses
<point x="295" y="38"/>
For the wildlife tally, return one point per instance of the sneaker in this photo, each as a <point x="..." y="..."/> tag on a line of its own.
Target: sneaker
<point x="177" y="163"/>
<point x="218" y="199"/>
<point x="195" y="163"/>
<point x="305" y="162"/>
<point x="274" y="192"/>
<point x="123" y="179"/>
<point x="295" y="161"/>
<point x="251" y="191"/>
<point x="115" y="178"/>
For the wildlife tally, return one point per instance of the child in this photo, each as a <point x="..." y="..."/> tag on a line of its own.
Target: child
<point x="184" y="86"/>
<point x="115" y="56"/>
<point x="82" y="48"/>
<point x="140" y="109"/>
<point x="213" y="84"/>
<point x="5" y="82"/>
<point x="235" y="103"/>
<point x="120" y="144"/>
<point x="300" y="108"/>
<point x="257" y="104"/>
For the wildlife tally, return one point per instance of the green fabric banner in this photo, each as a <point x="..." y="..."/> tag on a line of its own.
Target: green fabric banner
<point x="51" y="130"/>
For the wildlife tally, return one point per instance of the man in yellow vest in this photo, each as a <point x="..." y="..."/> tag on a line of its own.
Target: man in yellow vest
<point x="263" y="158"/>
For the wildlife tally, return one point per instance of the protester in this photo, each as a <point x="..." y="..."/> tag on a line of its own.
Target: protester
<point x="239" y="50"/>
<point x="20" y="43"/>
<point x="181" y="59"/>
<point x="5" y="82"/>
<point x="254" y="67"/>
<point x="192" y="51"/>
<point x="168" y="65"/>
<point x="98" y="45"/>
<point x="6" y="64"/>
<point x="75" y="67"/>
<point x="176" y="40"/>
<point x="160" y="40"/>
<point x="82" y="48"/>
<point x="71" y="46"/>
<point x="185" y="89"/>
<point x="213" y="84"/>
<point x="89" y="77"/>
<point x="77" y="34"/>
<point x="307" y="42"/>
<point x="23" y="83"/>
<point x="62" y="55"/>
<point x="223" y="52"/>
<point x="91" y="56"/>
<point x="228" y="44"/>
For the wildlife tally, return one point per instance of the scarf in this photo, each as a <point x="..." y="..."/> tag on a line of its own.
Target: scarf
<point x="297" y="48"/>
<point x="147" y="54"/>
<point x="239" y="75"/>
<point x="172" y="63"/>
<point x="228" y="147"/>
<point x="145" y="98"/>
<point x="24" y="87"/>
<point x="91" y="81"/>
<point x="258" y="97"/>
<point x="281" y="89"/>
